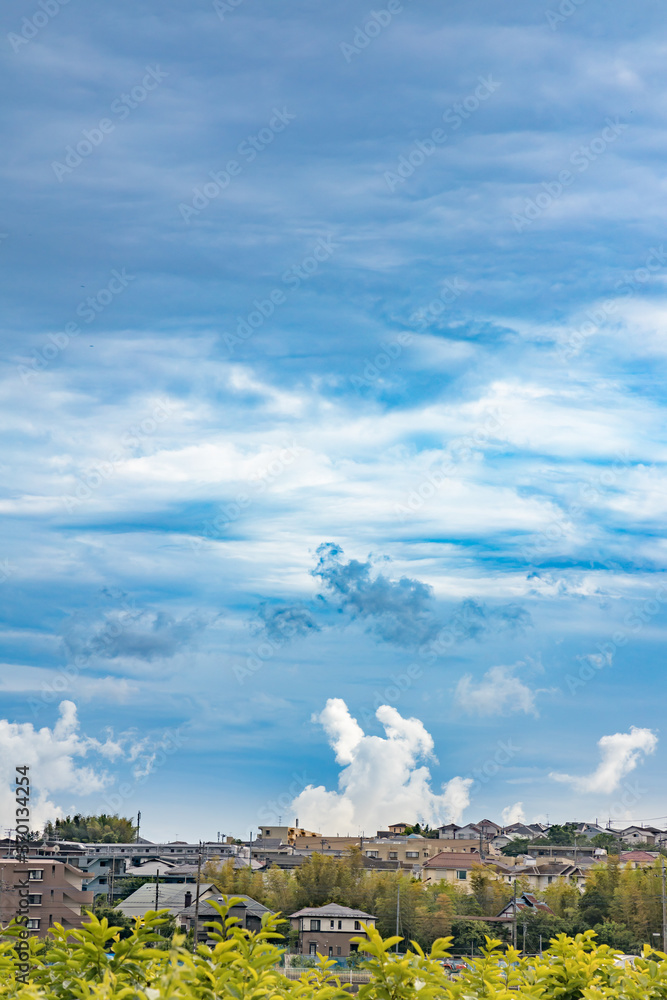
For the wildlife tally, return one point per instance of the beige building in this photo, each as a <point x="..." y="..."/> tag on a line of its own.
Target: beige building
<point x="286" y="834"/>
<point x="404" y="852"/>
<point x="452" y="867"/>
<point x="47" y="892"/>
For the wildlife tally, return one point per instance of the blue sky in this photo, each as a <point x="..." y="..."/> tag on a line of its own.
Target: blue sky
<point x="332" y="350"/>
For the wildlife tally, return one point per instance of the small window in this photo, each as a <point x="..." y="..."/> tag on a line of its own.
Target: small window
<point x="331" y="924"/>
<point x="33" y="924"/>
<point x="312" y="948"/>
<point x="35" y="899"/>
<point x="372" y="854"/>
<point x="462" y="875"/>
<point x="412" y="854"/>
<point x="393" y="855"/>
<point x="357" y="925"/>
<point x="36" y="874"/>
<point x="330" y="951"/>
<point x="340" y="925"/>
<point x="103" y="881"/>
<point x="338" y="951"/>
<point x="314" y="925"/>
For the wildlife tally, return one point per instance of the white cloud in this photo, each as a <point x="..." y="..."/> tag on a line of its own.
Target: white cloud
<point x="381" y="781"/>
<point x="499" y="692"/>
<point x="51" y="756"/>
<point x="513" y="814"/>
<point x="620" y="753"/>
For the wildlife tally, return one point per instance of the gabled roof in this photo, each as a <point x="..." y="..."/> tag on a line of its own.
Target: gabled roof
<point x="170" y="896"/>
<point x="453" y="859"/>
<point x="333" y="910"/>
<point x="646" y="856"/>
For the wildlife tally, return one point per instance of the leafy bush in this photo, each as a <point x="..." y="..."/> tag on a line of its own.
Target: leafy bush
<point x="95" y="963"/>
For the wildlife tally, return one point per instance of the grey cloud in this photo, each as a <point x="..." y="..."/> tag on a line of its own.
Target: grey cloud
<point x="143" y="633"/>
<point x="285" y="622"/>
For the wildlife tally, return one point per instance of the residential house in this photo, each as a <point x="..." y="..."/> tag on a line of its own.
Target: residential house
<point x="488" y="829"/>
<point x="637" y="834"/>
<point x="284" y="834"/>
<point x="539" y="876"/>
<point x="55" y="894"/>
<point x="638" y="859"/>
<point x="448" y="866"/>
<point x="174" y="898"/>
<point x="328" y="930"/>
<point x="398" y="828"/>
<point x="248" y="912"/>
<point x="448" y="831"/>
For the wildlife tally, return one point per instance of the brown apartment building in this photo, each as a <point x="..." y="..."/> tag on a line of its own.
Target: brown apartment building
<point x="53" y="892"/>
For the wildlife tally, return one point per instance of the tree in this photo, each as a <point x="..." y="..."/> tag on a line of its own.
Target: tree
<point x="102" y="829"/>
<point x="520" y="845"/>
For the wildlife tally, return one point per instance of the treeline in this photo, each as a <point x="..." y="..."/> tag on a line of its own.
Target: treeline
<point x="623" y="906"/>
<point x="100" y="829"/>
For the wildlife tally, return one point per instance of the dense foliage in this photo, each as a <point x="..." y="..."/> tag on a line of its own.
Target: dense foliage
<point x="100" y="829"/>
<point x="621" y="905"/>
<point x="95" y="963"/>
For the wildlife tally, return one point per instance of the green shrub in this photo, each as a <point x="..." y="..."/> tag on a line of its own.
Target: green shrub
<point x="96" y="963"/>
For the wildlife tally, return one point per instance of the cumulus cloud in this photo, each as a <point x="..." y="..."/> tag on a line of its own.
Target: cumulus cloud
<point x="403" y="611"/>
<point x="500" y="692"/>
<point x="513" y="814"/>
<point x="399" y="611"/>
<point x="52" y="756"/>
<point x="620" y="753"/>
<point x="382" y="778"/>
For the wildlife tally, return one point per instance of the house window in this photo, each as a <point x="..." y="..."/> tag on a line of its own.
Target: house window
<point x="312" y="948"/>
<point x="103" y="881"/>
<point x="371" y="854"/>
<point x="393" y="855"/>
<point x="36" y="874"/>
<point x="357" y="925"/>
<point x="331" y="924"/>
<point x="267" y="833"/>
<point x="425" y="854"/>
<point x="330" y="951"/>
<point x="314" y="925"/>
<point x="412" y="854"/>
<point x="462" y="875"/>
<point x="33" y="924"/>
<point x="338" y="951"/>
<point x="549" y="879"/>
<point x="35" y="899"/>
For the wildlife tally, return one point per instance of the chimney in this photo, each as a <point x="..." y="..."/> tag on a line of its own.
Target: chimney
<point x="188" y="899"/>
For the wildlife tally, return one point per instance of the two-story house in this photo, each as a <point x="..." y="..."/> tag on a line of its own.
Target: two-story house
<point x="328" y="930"/>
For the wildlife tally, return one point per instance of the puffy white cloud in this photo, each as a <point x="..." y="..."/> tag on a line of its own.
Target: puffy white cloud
<point x="513" y="814"/>
<point x="382" y="781"/>
<point x="51" y="755"/>
<point x="499" y="692"/>
<point x="620" y="753"/>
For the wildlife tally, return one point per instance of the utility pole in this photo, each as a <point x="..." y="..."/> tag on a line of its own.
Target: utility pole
<point x="138" y="824"/>
<point x="515" y="915"/>
<point x="664" y="907"/>
<point x="398" y="909"/>
<point x="250" y="852"/>
<point x="194" y="940"/>
<point x="157" y="885"/>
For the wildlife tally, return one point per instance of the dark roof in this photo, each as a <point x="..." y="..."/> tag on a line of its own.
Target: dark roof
<point x="332" y="910"/>
<point x="207" y="909"/>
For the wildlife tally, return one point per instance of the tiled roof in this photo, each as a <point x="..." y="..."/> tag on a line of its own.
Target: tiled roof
<point x="333" y="910"/>
<point x="451" y="859"/>
<point x="639" y="856"/>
